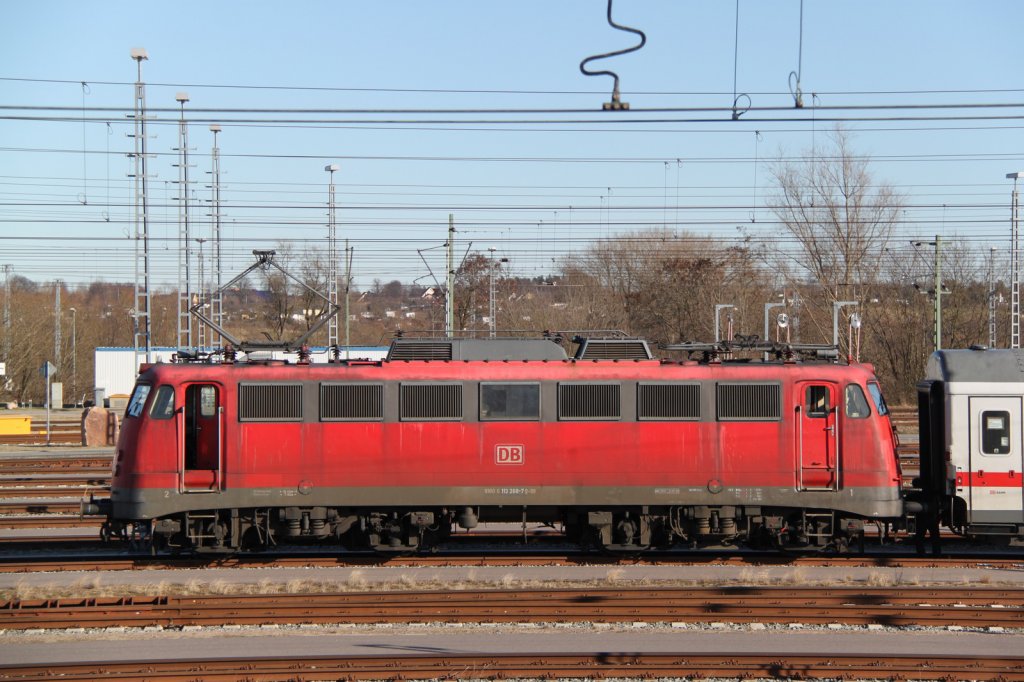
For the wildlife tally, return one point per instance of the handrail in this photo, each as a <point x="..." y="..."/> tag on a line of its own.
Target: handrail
<point x="799" y="450"/>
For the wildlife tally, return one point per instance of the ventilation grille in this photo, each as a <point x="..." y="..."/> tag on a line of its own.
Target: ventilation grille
<point x="432" y="401"/>
<point x="340" y="402"/>
<point x="668" y="401"/>
<point x="589" y="401"/>
<point x="613" y="349"/>
<point x="749" y="402"/>
<point x="420" y="350"/>
<point x="270" y="402"/>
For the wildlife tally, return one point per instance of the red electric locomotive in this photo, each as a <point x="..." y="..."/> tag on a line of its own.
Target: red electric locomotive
<point x="622" y="450"/>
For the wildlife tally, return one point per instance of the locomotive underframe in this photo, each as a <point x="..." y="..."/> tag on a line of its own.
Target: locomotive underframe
<point x="626" y="527"/>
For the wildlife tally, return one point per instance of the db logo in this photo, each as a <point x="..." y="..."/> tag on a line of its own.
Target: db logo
<point x="509" y="454"/>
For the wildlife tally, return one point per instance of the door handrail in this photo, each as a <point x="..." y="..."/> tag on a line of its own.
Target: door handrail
<point x="799" y="449"/>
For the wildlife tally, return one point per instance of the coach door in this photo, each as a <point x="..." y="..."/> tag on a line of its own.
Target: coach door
<point x="202" y="438"/>
<point x="816" y="437"/>
<point x="997" y="460"/>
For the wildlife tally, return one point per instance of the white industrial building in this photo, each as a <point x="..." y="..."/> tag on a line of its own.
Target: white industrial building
<point x="116" y="368"/>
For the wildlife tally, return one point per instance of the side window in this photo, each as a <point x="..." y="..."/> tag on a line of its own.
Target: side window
<point x="510" y="401"/>
<point x="856" y="403"/>
<point x="207" y="400"/>
<point x="995" y="433"/>
<point x="876" y="396"/>
<point x="817" y="401"/>
<point x="138" y="400"/>
<point x="163" y="403"/>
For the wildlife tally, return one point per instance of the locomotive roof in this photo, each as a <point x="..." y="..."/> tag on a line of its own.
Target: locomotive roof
<point x="475" y="349"/>
<point x="569" y="369"/>
<point x="1002" y="365"/>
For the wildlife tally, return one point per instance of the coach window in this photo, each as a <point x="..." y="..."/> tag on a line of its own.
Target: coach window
<point x="163" y="403"/>
<point x="138" y="400"/>
<point x="856" y="403"/>
<point x="817" y="401"/>
<point x="995" y="433"/>
<point x="512" y="402"/>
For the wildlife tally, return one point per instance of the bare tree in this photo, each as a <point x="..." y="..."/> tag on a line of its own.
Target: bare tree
<point x="841" y="219"/>
<point x="663" y="284"/>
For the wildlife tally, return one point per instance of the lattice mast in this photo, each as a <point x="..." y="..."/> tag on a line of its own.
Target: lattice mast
<point x="449" y="293"/>
<point x="184" y="338"/>
<point x="217" y="298"/>
<point x="332" y="259"/>
<point x="141" y="336"/>
<point x="1015" y="265"/>
<point x="199" y="299"/>
<point x="992" y="297"/>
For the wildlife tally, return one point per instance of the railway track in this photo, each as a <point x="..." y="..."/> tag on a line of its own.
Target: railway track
<point x="770" y="665"/>
<point x="8" y="507"/>
<point x="20" y="466"/>
<point x="39" y="438"/>
<point x="924" y="607"/>
<point x="33" y="491"/>
<point x="43" y="521"/>
<point x="133" y="562"/>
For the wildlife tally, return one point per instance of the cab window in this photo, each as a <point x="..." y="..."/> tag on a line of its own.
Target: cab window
<point x="207" y="400"/>
<point x="138" y="400"/>
<point x="817" y="401"/>
<point x="876" y="395"/>
<point x="856" y="403"/>
<point x="163" y="403"/>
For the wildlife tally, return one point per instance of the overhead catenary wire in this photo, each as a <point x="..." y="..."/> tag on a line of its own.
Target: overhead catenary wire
<point x="284" y="214"/>
<point x="475" y="91"/>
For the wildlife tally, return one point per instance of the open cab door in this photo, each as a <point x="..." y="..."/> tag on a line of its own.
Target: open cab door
<point x="201" y="424"/>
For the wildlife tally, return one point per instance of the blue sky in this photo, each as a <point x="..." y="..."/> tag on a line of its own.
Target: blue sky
<point x="533" y="191"/>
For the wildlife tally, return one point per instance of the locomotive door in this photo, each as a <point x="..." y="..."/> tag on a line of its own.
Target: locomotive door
<point x="996" y="460"/>
<point x="201" y="428"/>
<point x="816" y="437"/>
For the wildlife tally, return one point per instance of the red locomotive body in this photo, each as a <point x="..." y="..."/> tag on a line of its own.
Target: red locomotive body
<point x="393" y="454"/>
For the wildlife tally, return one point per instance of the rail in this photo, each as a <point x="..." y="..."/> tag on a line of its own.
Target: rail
<point x="451" y="666"/>
<point x="894" y="607"/>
